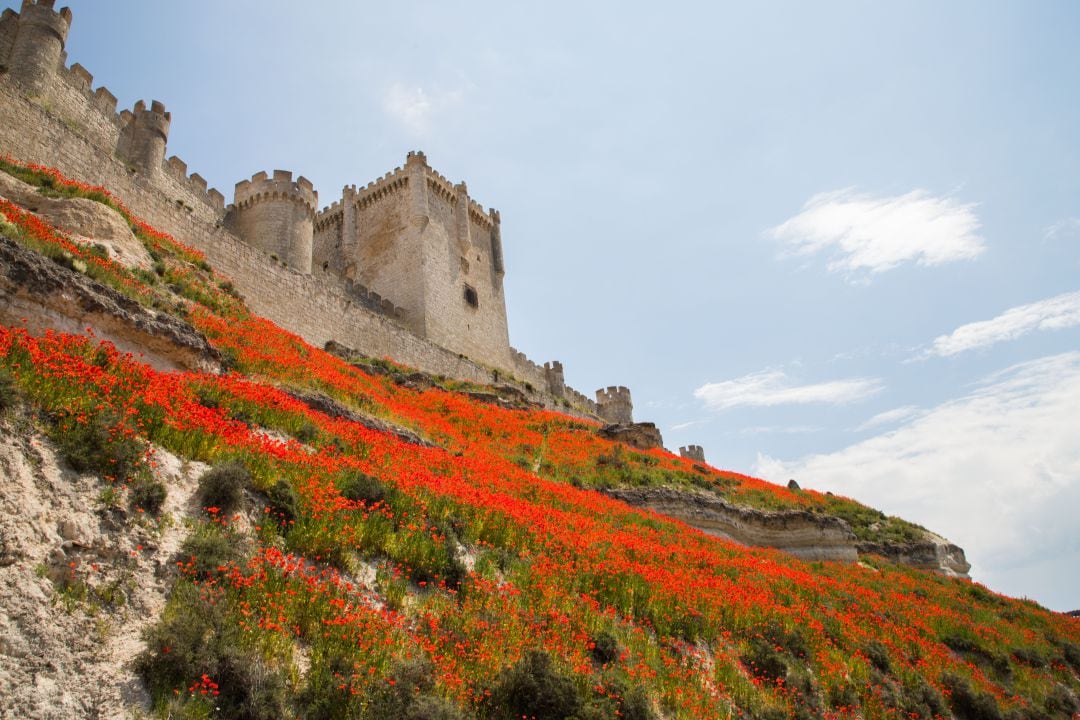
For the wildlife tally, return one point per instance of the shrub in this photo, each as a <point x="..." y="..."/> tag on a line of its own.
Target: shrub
<point x="533" y="688"/>
<point x="207" y="549"/>
<point x="368" y="489"/>
<point x="193" y="638"/>
<point x="222" y="486"/>
<point x="410" y="695"/>
<point x="99" y="445"/>
<point x="605" y="648"/>
<point x="283" y="502"/>
<point x="763" y="661"/>
<point x="148" y="495"/>
<point x="878" y="656"/>
<point x="968" y="703"/>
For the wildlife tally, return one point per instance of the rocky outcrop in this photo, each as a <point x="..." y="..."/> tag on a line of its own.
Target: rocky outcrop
<point x="642" y="435"/>
<point x="934" y="553"/>
<point x="806" y="535"/>
<point x="329" y="406"/>
<point x="39" y="294"/>
<point x="87" y="221"/>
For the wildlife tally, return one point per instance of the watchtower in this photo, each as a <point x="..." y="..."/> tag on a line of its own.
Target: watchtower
<point x="556" y="381"/>
<point x="693" y="452"/>
<point x="144" y="136"/>
<point x="613" y="405"/>
<point x="38" y="44"/>
<point x="277" y="215"/>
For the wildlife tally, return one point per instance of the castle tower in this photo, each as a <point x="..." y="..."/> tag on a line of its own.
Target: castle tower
<point x="276" y="215"/>
<point x="419" y="240"/>
<point x="614" y="406"/>
<point x="556" y="383"/>
<point x="144" y="136"/>
<point x="38" y="44"/>
<point x="693" y="452"/>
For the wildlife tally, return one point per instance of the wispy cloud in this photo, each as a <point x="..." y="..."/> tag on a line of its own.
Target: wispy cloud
<point x="777" y="430"/>
<point x="864" y="234"/>
<point x="414" y="108"/>
<point x="1069" y="227"/>
<point x="773" y="387"/>
<point x="889" y="417"/>
<point x="1056" y="313"/>
<point x="996" y="471"/>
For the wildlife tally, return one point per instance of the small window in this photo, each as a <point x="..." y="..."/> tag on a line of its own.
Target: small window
<point x="471" y="297"/>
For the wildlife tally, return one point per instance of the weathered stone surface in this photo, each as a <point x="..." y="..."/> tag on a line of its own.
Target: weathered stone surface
<point x="643" y="436"/>
<point x="807" y="535"/>
<point x="934" y="553"/>
<point x="792" y="485"/>
<point x="329" y="406"/>
<point x="46" y="296"/>
<point x="87" y="221"/>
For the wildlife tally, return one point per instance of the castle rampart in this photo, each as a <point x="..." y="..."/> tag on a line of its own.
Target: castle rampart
<point x="144" y="136"/>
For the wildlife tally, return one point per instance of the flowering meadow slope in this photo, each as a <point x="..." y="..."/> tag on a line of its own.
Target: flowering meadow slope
<point x="336" y="570"/>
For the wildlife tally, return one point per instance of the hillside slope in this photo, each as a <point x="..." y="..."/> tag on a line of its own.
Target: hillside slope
<point x="363" y="545"/>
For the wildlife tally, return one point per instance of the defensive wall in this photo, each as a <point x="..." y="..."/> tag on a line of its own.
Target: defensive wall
<point x="51" y="114"/>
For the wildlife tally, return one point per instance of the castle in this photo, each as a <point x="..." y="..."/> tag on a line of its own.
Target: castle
<point x="408" y="266"/>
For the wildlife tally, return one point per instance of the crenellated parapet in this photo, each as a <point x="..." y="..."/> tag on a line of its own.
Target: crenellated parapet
<point x="390" y="183"/>
<point x="276" y="213"/>
<point x="613" y="404"/>
<point x="36" y="50"/>
<point x="144" y="135"/>
<point x="693" y="452"/>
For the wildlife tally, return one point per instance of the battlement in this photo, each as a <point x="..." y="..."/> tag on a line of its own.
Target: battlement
<point x="692" y="452"/>
<point x="376" y="190"/>
<point x="264" y="188"/>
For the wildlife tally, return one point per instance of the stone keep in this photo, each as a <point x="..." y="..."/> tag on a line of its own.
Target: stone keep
<point x="420" y="241"/>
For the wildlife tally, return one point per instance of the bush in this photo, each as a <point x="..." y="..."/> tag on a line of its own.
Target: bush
<point x="99" y="445"/>
<point x="878" y="656"/>
<point x="148" y="495"/>
<point x="410" y="695"/>
<point x="533" y="688"/>
<point x="193" y="638"/>
<point x="763" y="661"/>
<point x="222" y="486"/>
<point x="605" y="648"/>
<point x="283" y="502"/>
<point x="209" y="548"/>
<point x="968" y="703"/>
<point x="368" y="489"/>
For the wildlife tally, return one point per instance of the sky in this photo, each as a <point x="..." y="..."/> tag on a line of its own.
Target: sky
<point x="837" y="242"/>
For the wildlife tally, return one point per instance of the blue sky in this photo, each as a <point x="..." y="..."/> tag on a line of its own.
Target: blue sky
<point x="836" y="241"/>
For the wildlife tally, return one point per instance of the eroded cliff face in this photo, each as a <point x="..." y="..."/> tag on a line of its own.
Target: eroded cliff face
<point x="804" y="534"/>
<point x="80" y="578"/>
<point x="807" y="535"/>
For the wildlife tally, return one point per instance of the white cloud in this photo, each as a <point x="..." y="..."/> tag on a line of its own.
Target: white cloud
<point x="866" y="234"/>
<point x="889" y="417"/>
<point x="773" y="387"/>
<point x="778" y="430"/>
<point x="1069" y="227"/>
<point x="996" y="471"/>
<point x="1056" y="313"/>
<point x="414" y="108"/>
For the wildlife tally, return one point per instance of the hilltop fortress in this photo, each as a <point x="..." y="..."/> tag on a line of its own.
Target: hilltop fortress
<point x="408" y="267"/>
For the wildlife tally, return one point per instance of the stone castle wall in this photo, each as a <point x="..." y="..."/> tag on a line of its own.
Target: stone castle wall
<point x="64" y="123"/>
